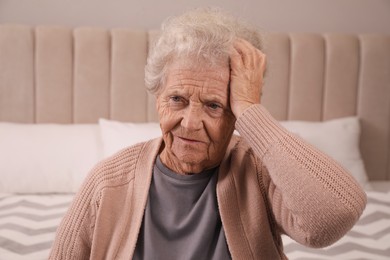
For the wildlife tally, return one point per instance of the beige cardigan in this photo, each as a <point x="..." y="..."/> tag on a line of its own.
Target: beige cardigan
<point x="270" y="182"/>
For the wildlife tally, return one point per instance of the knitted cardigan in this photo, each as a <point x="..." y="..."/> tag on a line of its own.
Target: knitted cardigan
<point x="270" y="182"/>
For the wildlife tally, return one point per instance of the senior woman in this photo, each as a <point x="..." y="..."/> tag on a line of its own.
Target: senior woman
<point x="199" y="192"/>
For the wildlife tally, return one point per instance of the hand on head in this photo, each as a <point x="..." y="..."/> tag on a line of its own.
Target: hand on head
<point x="247" y="66"/>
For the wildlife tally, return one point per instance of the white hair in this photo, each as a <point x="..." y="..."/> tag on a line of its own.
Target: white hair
<point x="203" y="35"/>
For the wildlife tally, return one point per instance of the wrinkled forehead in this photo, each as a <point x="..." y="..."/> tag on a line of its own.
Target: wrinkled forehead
<point x="216" y="73"/>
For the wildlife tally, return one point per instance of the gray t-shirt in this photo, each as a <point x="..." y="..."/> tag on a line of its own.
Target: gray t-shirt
<point x="181" y="219"/>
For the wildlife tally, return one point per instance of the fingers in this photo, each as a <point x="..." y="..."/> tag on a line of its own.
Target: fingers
<point x="250" y="56"/>
<point x="247" y="65"/>
<point x="236" y="60"/>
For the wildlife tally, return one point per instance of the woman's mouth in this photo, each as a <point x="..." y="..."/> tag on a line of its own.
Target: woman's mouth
<point x="189" y="140"/>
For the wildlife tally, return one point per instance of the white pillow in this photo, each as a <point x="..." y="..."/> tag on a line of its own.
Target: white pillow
<point x="339" y="138"/>
<point x="46" y="157"/>
<point x="117" y="135"/>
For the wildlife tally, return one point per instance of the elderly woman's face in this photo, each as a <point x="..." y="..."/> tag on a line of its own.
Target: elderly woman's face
<point x="195" y="118"/>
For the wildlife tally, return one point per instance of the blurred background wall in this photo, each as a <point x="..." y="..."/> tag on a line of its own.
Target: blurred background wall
<point x="354" y="16"/>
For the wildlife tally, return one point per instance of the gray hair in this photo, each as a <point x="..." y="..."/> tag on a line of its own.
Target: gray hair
<point x="203" y="35"/>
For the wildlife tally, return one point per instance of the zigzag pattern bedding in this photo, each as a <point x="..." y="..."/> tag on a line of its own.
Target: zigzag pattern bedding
<point x="28" y="224"/>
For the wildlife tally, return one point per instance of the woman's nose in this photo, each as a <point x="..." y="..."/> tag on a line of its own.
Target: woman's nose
<point x="192" y="117"/>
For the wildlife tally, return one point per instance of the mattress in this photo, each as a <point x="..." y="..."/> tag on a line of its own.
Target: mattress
<point x="28" y="224"/>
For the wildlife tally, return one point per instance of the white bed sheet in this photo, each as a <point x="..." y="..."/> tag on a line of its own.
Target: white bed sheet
<point x="28" y="224"/>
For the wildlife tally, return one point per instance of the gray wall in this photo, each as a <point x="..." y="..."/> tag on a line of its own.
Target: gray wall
<point x="355" y="16"/>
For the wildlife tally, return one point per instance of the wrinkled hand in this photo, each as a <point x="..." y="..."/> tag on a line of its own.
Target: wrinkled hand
<point x="247" y="65"/>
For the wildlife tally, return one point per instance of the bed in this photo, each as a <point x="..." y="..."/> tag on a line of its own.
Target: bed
<point x="71" y="96"/>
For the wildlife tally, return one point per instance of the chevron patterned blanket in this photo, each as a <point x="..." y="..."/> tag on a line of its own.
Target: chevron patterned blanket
<point x="28" y="224"/>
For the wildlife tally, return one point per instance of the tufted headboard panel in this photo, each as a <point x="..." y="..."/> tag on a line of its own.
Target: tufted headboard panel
<point x="77" y="75"/>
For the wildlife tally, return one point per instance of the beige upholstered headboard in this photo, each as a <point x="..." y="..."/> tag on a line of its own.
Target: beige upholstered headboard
<point x="64" y="75"/>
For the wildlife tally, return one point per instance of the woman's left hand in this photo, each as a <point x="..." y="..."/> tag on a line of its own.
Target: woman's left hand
<point x="247" y="66"/>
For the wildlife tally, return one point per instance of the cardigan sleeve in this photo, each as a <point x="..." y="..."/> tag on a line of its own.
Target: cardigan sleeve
<point x="314" y="200"/>
<point x="74" y="234"/>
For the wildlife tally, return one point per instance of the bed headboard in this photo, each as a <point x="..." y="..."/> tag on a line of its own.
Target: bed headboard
<point x="77" y="75"/>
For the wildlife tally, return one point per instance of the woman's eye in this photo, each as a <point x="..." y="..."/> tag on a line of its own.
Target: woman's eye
<point x="176" y="99"/>
<point x="214" y="106"/>
<point x="215" y="109"/>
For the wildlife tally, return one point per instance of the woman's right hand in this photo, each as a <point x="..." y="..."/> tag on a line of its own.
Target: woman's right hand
<point x="247" y="66"/>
